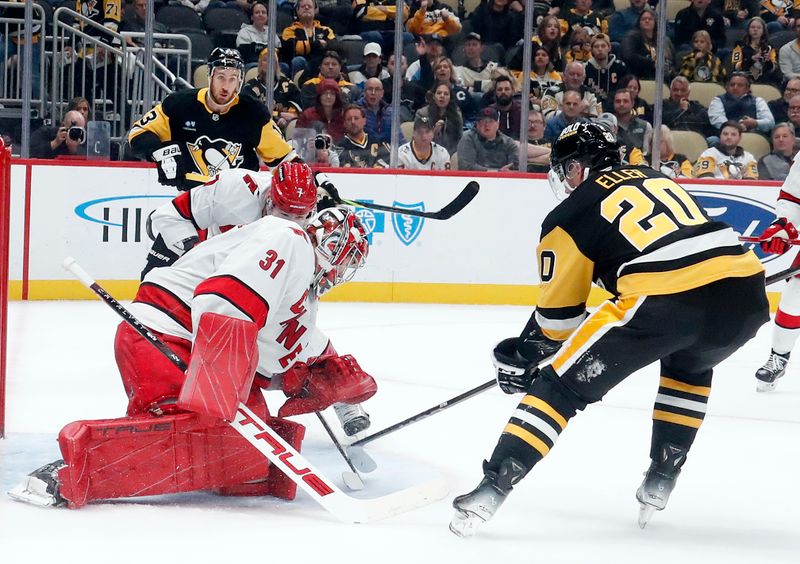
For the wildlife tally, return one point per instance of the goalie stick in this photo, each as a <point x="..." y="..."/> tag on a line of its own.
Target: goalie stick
<point x="785" y="274"/>
<point x="282" y="455"/>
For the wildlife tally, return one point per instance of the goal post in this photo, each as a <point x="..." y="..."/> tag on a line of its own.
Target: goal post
<point x="5" y="219"/>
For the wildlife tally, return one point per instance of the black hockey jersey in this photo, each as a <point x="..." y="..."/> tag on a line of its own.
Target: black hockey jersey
<point x="211" y="141"/>
<point x="634" y="232"/>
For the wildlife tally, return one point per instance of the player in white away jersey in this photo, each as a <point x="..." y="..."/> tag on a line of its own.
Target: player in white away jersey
<point x="238" y="197"/>
<point x="239" y="309"/>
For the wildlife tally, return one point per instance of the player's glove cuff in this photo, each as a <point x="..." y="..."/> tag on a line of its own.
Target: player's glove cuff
<point x="169" y="161"/>
<point x="777" y="236"/>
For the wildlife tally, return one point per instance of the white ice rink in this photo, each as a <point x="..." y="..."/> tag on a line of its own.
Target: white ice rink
<point x="737" y="501"/>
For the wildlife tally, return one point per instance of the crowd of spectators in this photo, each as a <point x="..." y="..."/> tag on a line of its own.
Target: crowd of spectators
<point x="462" y="77"/>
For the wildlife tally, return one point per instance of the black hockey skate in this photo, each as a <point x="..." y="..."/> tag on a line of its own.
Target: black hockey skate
<point x="352" y="417"/>
<point x="480" y="505"/>
<point x="659" y="481"/>
<point x="774" y="368"/>
<point x="41" y="487"/>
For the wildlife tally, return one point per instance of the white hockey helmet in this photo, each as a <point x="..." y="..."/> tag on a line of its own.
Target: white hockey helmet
<point x="340" y="246"/>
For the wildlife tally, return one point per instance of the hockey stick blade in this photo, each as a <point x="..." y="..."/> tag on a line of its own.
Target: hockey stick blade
<point x="782" y="275"/>
<point x="282" y="455"/>
<point x="459" y="203"/>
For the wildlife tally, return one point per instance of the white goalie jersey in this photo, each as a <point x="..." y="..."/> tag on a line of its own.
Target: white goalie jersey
<point x="259" y="272"/>
<point x="234" y="197"/>
<point x="788" y="204"/>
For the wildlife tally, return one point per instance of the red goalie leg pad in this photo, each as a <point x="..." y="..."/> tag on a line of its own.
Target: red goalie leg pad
<point x="280" y="485"/>
<point x="146" y="455"/>
<point x="222" y="366"/>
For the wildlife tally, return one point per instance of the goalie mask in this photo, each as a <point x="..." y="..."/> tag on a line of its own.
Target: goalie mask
<point x="582" y="148"/>
<point x="340" y="247"/>
<point x="292" y="195"/>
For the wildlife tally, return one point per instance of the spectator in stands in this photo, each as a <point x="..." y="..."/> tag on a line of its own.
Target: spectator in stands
<point x="80" y="104"/>
<point x="622" y="21"/>
<point x="543" y="76"/>
<point x="548" y="35"/>
<point x="630" y="154"/>
<point x="754" y="55"/>
<point x="66" y="139"/>
<point x="307" y="42"/>
<point x="422" y="153"/>
<point x="330" y="68"/>
<point x="377" y="112"/>
<point x="108" y="13"/>
<point x="776" y="165"/>
<point x="536" y="140"/>
<point x="571" y="112"/>
<point x="674" y="165"/>
<point x="780" y="108"/>
<point x="699" y="15"/>
<point x="135" y="20"/>
<point x="641" y="108"/>
<point x="429" y="50"/>
<point x="495" y="23"/>
<point x="285" y="94"/>
<point x="632" y="131"/>
<point x="580" y="16"/>
<point x="254" y="37"/>
<point x="321" y="151"/>
<point x="442" y="110"/>
<point x="338" y="14"/>
<point x="476" y="72"/>
<point x="604" y="70"/>
<point x="726" y="159"/>
<point x="735" y="13"/>
<point x="326" y="114"/>
<point x="701" y="64"/>
<point x="444" y="71"/>
<point x="639" y="48"/>
<point x="681" y="113"/>
<point x="574" y="79"/>
<point x="779" y="15"/>
<point x="432" y="16"/>
<point x="372" y="67"/>
<point x="789" y="55"/>
<point x="359" y="150"/>
<point x="794" y="112"/>
<point x="12" y="50"/>
<point x="580" y="45"/>
<point x="508" y="108"/>
<point x="374" y="21"/>
<point x="485" y="147"/>
<point x="412" y="95"/>
<point x="738" y="104"/>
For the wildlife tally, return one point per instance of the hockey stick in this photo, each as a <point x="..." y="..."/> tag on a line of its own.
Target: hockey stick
<point x="783" y="275"/>
<point x="761" y="240"/>
<point x="280" y="453"/>
<point x="356" y="450"/>
<point x="456" y="205"/>
<point x="351" y="479"/>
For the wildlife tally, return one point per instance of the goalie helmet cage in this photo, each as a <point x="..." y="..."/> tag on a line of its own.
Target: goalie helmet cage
<point x="5" y="219"/>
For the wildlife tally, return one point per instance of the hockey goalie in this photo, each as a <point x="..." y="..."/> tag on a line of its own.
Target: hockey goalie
<point x="240" y="310"/>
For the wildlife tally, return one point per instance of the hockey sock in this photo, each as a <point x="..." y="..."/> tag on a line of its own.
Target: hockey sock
<point x="679" y="411"/>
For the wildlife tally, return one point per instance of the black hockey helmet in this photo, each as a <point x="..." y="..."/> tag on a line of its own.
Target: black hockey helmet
<point x="225" y="58"/>
<point x="591" y="145"/>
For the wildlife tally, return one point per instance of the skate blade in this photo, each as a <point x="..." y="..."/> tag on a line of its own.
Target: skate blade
<point x="645" y="513"/>
<point x="23" y="494"/>
<point x="465" y="524"/>
<point x="762" y="386"/>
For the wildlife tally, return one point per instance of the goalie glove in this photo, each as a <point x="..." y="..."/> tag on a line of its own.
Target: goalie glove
<point x="776" y="236"/>
<point x="169" y="161"/>
<point x="327" y="194"/>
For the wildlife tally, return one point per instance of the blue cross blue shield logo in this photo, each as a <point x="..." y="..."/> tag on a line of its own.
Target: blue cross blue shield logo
<point x="372" y="220"/>
<point x="408" y="227"/>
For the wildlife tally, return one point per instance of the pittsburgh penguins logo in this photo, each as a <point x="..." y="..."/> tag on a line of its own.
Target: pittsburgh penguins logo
<point x="210" y="157"/>
<point x="89" y="9"/>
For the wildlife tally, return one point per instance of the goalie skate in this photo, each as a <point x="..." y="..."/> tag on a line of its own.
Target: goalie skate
<point x="659" y="481"/>
<point x="767" y="376"/>
<point x="41" y="487"/>
<point x="353" y="418"/>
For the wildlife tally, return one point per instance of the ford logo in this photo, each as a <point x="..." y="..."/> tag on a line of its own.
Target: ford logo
<point x="747" y="216"/>
<point x="84" y="210"/>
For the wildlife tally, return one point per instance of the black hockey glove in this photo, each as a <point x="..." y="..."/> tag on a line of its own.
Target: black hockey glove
<point x="169" y="161"/>
<point x="515" y="373"/>
<point x="327" y="194"/>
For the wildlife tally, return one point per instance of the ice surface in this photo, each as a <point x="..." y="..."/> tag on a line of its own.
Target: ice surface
<point x="736" y="502"/>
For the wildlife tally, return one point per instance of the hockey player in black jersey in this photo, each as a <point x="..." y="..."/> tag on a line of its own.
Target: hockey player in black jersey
<point x="194" y="134"/>
<point x="685" y="294"/>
